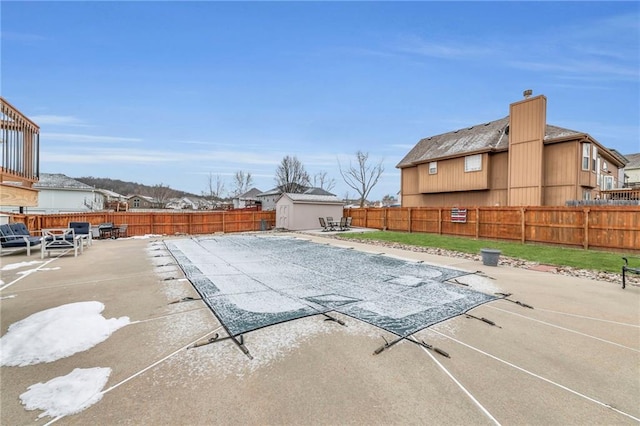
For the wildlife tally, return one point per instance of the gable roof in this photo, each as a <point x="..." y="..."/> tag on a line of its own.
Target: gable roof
<point x="634" y="161"/>
<point x="491" y="136"/>
<point x="250" y="194"/>
<point x="60" y="181"/>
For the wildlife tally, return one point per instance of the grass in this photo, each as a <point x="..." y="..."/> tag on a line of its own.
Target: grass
<point x="549" y="255"/>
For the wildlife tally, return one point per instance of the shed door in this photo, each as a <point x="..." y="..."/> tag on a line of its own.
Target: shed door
<point x="284" y="216"/>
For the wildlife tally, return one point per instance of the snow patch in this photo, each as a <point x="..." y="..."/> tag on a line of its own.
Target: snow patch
<point x="57" y="333"/>
<point x="66" y="395"/>
<point x="12" y="266"/>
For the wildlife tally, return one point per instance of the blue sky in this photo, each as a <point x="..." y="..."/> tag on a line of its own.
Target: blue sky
<point x="170" y="92"/>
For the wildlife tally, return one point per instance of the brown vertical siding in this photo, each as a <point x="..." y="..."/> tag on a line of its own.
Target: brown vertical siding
<point x="526" y="135"/>
<point x="452" y="177"/>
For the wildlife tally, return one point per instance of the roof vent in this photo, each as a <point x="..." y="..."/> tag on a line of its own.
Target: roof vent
<point x="527" y="93"/>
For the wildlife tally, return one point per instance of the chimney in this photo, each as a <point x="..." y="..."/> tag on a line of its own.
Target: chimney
<point x="527" y="125"/>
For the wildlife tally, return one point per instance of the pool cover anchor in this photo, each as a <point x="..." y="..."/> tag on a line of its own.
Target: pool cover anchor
<point x="422" y="343"/>
<point x="483" y="319"/>
<point x="334" y="319"/>
<point x="216" y="338"/>
<point x="517" y="302"/>
<point x="185" y="299"/>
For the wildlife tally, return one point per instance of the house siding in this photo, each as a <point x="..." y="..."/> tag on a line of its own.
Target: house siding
<point x="525" y="162"/>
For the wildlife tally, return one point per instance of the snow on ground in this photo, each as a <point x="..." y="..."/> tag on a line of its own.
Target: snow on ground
<point x="66" y="395"/>
<point x="12" y="266"/>
<point x="56" y="333"/>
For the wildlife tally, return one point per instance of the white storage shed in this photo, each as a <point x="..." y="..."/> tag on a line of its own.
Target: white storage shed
<point x="297" y="212"/>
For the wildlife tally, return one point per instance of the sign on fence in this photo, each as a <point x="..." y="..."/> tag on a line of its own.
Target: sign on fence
<point x="459" y="215"/>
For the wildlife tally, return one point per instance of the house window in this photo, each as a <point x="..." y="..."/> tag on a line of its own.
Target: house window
<point x="586" y="150"/>
<point x="433" y="167"/>
<point x="473" y="163"/>
<point x="586" y="194"/>
<point x="607" y="182"/>
<point x="136" y="202"/>
<point x="594" y="166"/>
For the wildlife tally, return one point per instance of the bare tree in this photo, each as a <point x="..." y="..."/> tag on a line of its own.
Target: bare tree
<point x="291" y="175"/>
<point x="362" y="177"/>
<point x="241" y="182"/>
<point x="321" y="180"/>
<point x="161" y="194"/>
<point x="215" y="188"/>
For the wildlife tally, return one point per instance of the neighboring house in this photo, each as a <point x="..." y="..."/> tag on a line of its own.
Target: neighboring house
<point x="113" y="200"/>
<point x="269" y="198"/>
<point x="19" y="158"/>
<point x="61" y="194"/>
<point x="137" y="201"/>
<point x="183" y="203"/>
<point x="248" y="199"/>
<point x="518" y="160"/>
<point x="297" y="212"/>
<point x="632" y="171"/>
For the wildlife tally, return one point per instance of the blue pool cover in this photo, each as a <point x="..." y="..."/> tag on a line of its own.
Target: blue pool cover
<point x="253" y="281"/>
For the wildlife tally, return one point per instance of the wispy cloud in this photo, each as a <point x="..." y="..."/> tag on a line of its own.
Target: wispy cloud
<point x="440" y="49"/>
<point x="22" y="37"/>
<point x="74" y="137"/>
<point x="58" y="120"/>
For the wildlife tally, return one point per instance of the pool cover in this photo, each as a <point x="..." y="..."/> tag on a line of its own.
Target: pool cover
<point x="252" y="281"/>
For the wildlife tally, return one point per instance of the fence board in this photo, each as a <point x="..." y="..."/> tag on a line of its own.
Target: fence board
<point x="604" y="227"/>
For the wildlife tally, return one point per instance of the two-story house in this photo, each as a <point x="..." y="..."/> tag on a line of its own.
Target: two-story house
<point x="519" y="160"/>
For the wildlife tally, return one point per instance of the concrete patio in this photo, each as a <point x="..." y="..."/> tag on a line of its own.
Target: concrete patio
<point x="572" y="359"/>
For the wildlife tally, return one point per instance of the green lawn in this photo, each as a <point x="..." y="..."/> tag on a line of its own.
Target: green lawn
<point x="550" y="255"/>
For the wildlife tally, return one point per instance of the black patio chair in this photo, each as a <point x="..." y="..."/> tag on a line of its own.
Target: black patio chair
<point x="343" y="224"/>
<point x="84" y="229"/>
<point x="323" y="224"/>
<point x="16" y="237"/>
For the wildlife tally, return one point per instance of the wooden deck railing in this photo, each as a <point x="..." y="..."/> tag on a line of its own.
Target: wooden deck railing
<point x="621" y="194"/>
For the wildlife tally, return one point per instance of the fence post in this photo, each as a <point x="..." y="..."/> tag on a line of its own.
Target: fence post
<point x="224" y="228"/>
<point x="523" y="228"/>
<point x="439" y="221"/>
<point x="409" y="221"/>
<point x="477" y="222"/>
<point x="585" y="243"/>
<point x="365" y="218"/>
<point x="385" y="218"/>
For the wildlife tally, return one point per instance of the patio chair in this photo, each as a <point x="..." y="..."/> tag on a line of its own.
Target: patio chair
<point x="122" y="231"/>
<point x="16" y="237"/>
<point x="60" y="239"/>
<point x="331" y="223"/>
<point x="83" y="229"/>
<point x="343" y="223"/>
<point x="324" y="225"/>
<point x="349" y="219"/>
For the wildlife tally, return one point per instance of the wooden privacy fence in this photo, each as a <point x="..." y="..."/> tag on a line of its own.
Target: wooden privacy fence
<point x="601" y="227"/>
<point x="165" y="223"/>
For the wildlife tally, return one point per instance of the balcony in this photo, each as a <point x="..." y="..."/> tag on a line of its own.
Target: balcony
<point x="20" y="157"/>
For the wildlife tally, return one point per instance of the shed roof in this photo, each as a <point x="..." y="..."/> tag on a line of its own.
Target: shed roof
<point x="491" y="136"/>
<point x="313" y="199"/>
